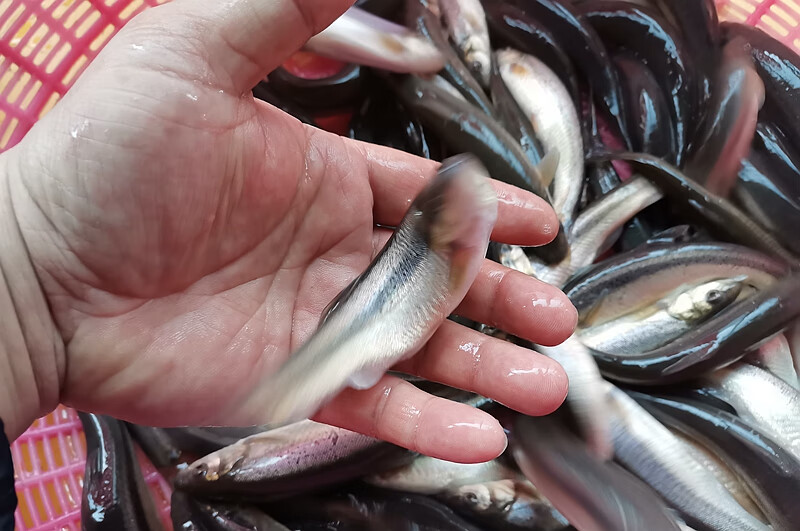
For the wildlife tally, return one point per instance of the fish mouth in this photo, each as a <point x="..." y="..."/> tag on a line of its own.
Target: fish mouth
<point x="215" y="471"/>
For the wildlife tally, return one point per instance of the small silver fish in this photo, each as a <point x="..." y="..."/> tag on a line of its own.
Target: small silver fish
<point x="363" y="38"/>
<point x="548" y="105"/>
<point x="652" y="327"/>
<point x="775" y="356"/>
<point x="595" y="225"/>
<point x="587" y="394"/>
<point x="390" y="311"/>
<point x="465" y="21"/>
<point x="727" y="477"/>
<point x="428" y="475"/>
<point x="648" y="448"/>
<point x="506" y="502"/>
<point x="445" y="85"/>
<point x="764" y="399"/>
<point x="513" y="257"/>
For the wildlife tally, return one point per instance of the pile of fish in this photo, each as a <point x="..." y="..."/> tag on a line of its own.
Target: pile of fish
<point x="668" y="144"/>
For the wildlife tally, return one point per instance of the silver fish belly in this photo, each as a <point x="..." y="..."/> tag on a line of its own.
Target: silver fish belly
<point x="647" y="448"/>
<point x="548" y="105"/>
<point x="763" y="399"/>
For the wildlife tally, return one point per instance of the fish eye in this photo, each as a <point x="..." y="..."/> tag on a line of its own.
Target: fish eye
<point x="713" y="296"/>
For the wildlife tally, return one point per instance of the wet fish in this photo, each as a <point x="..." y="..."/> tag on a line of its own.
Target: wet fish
<point x="779" y="68"/>
<point x="199" y="441"/>
<point x="286" y="461"/>
<point x="588" y="54"/>
<point x="771" y="472"/>
<point x="730" y="122"/>
<point x="762" y="399"/>
<point x="396" y="305"/>
<point x="775" y="142"/>
<point x="424" y="17"/>
<point x="506" y="505"/>
<point x="156" y="444"/>
<point x="717" y="342"/>
<point x="654" y="326"/>
<point x="716" y="464"/>
<point x="365" y="39"/>
<point x="428" y="475"/>
<point x="638" y="278"/>
<point x="510" y="26"/>
<point x="464" y="128"/>
<point x="115" y="495"/>
<point x="548" y="105"/>
<point x="768" y="187"/>
<point x="514" y="120"/>
<point x="593" y="495"/>
<point x="512" y="256"/>
<point x="596" y="225"/>
<point x="649" y="450"/>
<point x="717" y="212"/>
<point x="446" y="86"/>
<point x="601" y="178"/>
<point x="466" y="24"/>
<point x="191" y="514"/>
<point x="651" y="125"/>
<point x="699" y="24"/>
<point x="367" y="508"/>
<point x="382" y="119"/>
<point x="623" y="25"/>
<point x="587" y="394"/>
<point x="775" y="356"/>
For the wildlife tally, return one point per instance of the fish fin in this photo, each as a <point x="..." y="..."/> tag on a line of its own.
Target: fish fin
<point x="548" y="167"/>
<point x="366" y="377"/>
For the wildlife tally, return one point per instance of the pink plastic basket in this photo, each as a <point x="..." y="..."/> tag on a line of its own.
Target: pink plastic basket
<point x="44" y="46"/>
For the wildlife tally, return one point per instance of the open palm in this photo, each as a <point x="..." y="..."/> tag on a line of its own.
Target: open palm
<point x="187" y="238"/>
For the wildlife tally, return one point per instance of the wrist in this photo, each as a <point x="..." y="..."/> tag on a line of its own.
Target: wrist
<point x="30" y="345"/>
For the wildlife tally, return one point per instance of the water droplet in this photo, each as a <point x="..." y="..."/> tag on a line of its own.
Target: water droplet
<point x="191" y="96"/>
<point x="137" y="47"/>
<point x="78" y="128"/>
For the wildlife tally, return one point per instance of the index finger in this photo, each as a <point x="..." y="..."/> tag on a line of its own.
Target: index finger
<point x="396" y="178"/>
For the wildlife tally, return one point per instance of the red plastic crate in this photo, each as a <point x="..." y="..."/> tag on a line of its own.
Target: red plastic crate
<point x="44" y="47"/>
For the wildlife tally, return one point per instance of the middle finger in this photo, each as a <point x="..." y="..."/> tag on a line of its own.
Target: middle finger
<point x="517" y="377"/>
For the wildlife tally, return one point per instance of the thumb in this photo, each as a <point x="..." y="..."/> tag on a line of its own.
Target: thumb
<point x="244" y="40"/>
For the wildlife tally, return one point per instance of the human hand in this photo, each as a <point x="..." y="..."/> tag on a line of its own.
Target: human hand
<point x="187" y="237"/>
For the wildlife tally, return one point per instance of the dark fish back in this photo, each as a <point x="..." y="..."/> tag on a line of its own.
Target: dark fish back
<point x="626" y="26"/>
<point x="115" y="496"/>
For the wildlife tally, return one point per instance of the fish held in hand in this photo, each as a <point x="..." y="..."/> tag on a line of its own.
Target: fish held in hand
<point x="396" y="305"/>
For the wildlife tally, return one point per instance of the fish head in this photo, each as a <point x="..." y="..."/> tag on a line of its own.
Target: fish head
<point x="707" y="299"/>
<point x="456" y="212"/>
<point x="489" y="497"/>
